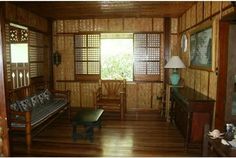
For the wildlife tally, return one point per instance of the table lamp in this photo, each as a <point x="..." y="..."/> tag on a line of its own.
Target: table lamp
<point x="174" y="63"/>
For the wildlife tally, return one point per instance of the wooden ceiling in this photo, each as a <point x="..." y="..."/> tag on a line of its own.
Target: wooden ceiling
<point x="105" y="9"/>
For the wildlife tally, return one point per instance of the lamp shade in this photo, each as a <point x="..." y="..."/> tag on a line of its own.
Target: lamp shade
<point x="175" y="62"/>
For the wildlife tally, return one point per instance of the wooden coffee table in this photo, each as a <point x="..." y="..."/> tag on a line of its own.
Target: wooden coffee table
<point x="89" y="118"/>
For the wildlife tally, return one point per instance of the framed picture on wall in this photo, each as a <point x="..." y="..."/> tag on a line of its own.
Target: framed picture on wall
<point x="201" y="49"/>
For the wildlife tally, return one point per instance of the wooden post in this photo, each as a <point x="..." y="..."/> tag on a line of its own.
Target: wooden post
<point x="28" y="130"/>
<point x="205" y="141"/>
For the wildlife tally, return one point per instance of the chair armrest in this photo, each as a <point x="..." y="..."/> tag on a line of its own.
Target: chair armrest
<point x="20" y="117"/>
<point x="61" y="94"/>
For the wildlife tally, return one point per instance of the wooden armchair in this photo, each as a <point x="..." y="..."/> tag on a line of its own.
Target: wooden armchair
<point x="111" y="96"/>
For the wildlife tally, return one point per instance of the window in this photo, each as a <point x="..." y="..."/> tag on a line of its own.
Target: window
<point x="18" y="38"/>
<point x="87" y="56"/>
<point x="147" y="56"/>
<point x="117" y="56"/>
<point x="133" y="56"/>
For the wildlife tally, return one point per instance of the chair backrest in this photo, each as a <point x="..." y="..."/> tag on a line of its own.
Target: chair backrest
<point x="112" y="88"/>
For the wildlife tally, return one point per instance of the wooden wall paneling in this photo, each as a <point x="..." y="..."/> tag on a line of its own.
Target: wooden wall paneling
<point x="173" y="45"/>
<point x="193" y="15"/>
<point x="144" y="94"/>
<point x="59" y="26"/>
<point x="183" y="21"/>
<point x="10" y="11"/>
<point x="215" y="7"/>
<point x="199" y="11"/>
<point x="212" y="85"/>
<point x="71" y="26"/>
<point x="192" y="78"/>
<point x="32" y="20"/>
<point x="143" y="24"/>
<point x="87" y="90"/>
<point x="157" y="92"/>
<point x="207" y="9"/>
<point x="158" y="24"/>
<point x="197" y="79"/>
<point x="86" y="24"/>
<point x="131" y="95"/>
<point x="115" y="25"/>
<point x="60" y="86"/>
<point x="225" y="4"/>
<point x="174" y="25"/>
<point x="22" y="16"/>
<point x="188" y="18"/>
<point x="100" y="24"/>
<point x="3" y="103"/>
<point x="162" y="63"/>
<point x="58" y="70"/>
<point x="180" y="24"/>
<point x="129" y="24"/>
<point x="204" y="82"/>
<point x="68" y="57"/>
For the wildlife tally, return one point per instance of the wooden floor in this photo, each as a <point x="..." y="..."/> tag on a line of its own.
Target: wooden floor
<point x="141" y="134"/>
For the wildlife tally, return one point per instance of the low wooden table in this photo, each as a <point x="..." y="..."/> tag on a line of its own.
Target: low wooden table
<point x="89" y="118"/>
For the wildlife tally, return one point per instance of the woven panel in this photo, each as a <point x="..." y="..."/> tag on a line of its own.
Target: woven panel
<point x="140" y="40"/>
<point x="36" y="54"/>
<point x="87" y="54"/>
<point x="36" y="69"/>
<point x="147" y="53"/>
<point x="80" y="40"/>
<point x="36" y="39"/>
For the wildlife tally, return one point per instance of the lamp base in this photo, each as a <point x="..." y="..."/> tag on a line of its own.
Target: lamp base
<point x="174" y="78"/>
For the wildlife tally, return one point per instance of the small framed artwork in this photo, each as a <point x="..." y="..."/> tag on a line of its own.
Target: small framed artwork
<point x="201" y="49"/>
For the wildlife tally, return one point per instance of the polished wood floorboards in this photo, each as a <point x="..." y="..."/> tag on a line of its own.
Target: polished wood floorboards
<point x="140" y="134"/>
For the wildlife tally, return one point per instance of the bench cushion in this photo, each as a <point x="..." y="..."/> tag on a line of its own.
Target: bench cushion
<point x="39" y="113"/>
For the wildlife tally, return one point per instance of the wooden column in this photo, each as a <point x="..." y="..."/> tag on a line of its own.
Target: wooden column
<point x="3" y="109"/>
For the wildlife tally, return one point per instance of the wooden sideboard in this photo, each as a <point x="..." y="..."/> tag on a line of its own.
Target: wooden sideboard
<point x="192" y="110"/>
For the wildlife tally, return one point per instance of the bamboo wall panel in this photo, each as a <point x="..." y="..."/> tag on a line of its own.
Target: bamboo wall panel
<point x="199" y="11"/>
<point x="157" y="92"/>
<point x="173" y="45"/>
<point x="71" y="26"/>
<point x="215" y="7"/>
<point x="183" y="21"/>
<point x="115" y="25"/>
<point x="100" y="24"/>
<point x="162" y="57"/>
<point x="59" y="70"/>
<point x="131" y="91"/>
<point x="204" y="82"/>
<point x="129" y="24"/>
<point x="188" y="21"/>
<point x="74" y="87"/>
<point x="180" y="24"/>
<point x="87" y="90"/>
<point x="174" y="25"/>
<point x="158" y="24"/>
<point x="68" y="57"/>
<point x="193" y="16"/>
<point x="144" y="95"/>
<point x="212" y="86"/>
<point x="59" y="26"/>
<point x="207" y="9"/>
<point x="86" y="25"/>
<point x="24" y="17"/>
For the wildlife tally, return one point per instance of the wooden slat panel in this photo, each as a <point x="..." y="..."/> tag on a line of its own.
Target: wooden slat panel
<point x="87" y="90"/>
<point x="183" y="21"/>
<point x="193" y="16"/>
<point x="86" y="25"/>
<point x="158" y="24"/>
<point x="144" y="96"/>
<point x="100" y="24"/>
<point x="188" y="18"/>
<point x="199" y="11"/>
<point x="71" y="26"/>
<point x="204" y="82"/>
<point x="115" y="24"/>
<point x="68" y="58"/>
<point x="131" y="95"/>
<point x="157" y="92"/>
<point x="215" y="7"/>
<point x="207" y="9"/>
<point x="10" y="12"/>
<point x="174" y="25"/>
<point x="129" y="24"/>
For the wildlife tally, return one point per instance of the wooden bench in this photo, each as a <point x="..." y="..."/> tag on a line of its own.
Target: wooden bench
<point x="37" y="117"/>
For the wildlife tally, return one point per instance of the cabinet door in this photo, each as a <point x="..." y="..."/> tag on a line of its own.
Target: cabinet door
<point x="181" y="116"/>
